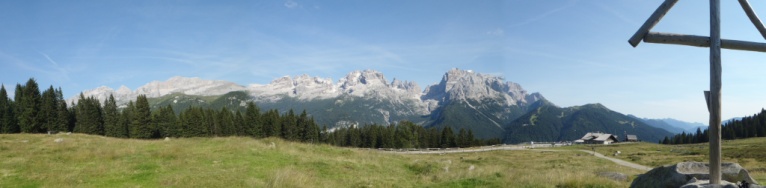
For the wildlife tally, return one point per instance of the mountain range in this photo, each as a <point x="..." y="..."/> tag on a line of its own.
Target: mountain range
<point x="486" y="104"/>
<point x="673" y="125"/>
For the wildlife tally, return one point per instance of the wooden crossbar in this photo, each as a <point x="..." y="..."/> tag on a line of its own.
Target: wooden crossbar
<point x="651" y="22"/>
<point x="753" y="17"/>
<point x="702" y="41"/>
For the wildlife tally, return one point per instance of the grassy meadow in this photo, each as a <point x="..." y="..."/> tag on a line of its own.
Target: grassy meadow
<point x="750" y="153"/>
<point x="36" y="160"/>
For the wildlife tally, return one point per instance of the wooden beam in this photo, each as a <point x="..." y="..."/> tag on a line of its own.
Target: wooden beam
<point x="715" y="92"/>
<point x="651" y="22"/>
<point x="753" y="17"/>
<point x="702" y="41"/>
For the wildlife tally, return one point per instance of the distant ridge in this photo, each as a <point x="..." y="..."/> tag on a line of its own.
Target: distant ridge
<point x="463" y="99"/>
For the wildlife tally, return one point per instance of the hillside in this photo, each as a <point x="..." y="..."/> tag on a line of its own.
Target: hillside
<point x="548" y="123"/>
<point x="486" y="104"/>
<point x="37" y="160"/>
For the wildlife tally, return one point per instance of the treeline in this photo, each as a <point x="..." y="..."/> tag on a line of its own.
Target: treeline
<point x="33" y="112"/>
<point x="404" y="135"/>
<point x="747" y="127"/>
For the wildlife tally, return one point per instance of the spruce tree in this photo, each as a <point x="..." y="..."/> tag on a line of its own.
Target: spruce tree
<point x="462" y="138"/>
<point x="447" y="137"/>
<point x="239" y="124"/>
<point x="303" y="127"/>
<point x="17" y="98"/>
<point x="169" y="122"/>
<point x="253" y="123"/>
<point x="30" y="106"/>
<point x="289" y="128"/>
<point x="89" y="116"/>
<point x="226" y="122"/>
<point x="48" y="114"/>
<point x="126" y="120"/>
<point x="471" y="138"/>
<point x="433" y="139"/>
<point x="141" y="126"/>
<point x="111" y="117"/>
<point x="7" y="117"/>
<point x="62" y="112"/>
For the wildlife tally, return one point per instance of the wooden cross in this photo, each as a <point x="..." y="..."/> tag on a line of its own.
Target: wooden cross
<point x="712" y="97"/>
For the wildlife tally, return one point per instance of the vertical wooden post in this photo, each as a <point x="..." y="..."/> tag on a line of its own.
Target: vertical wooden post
<point x="715" y="92"/>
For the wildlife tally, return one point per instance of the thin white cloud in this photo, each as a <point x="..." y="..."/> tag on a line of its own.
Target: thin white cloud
<point x="496" y="32"/>
<point x="291" y="4"/>
<point x="543" y="15"/>
<point x="616" y="13"/>
<point x="49" y="59"/>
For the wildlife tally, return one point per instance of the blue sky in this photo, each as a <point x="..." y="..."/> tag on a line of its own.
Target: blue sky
<point x="573" y="52"/>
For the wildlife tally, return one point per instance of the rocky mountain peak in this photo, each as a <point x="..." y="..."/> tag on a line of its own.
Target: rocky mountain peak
<point x="408" y="86"/>
<point x="366" y="77"/>
<point x="459" y="84"/>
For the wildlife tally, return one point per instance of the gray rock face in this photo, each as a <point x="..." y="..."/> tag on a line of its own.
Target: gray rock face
<point x="465" y="84"/>
<point x="680" y="174"/>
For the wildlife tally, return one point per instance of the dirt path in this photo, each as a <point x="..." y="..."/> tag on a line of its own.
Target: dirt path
<point x="618" y="161"/>
<point x="509" y="147"/>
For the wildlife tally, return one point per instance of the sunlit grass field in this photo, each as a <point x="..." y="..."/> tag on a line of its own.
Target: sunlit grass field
<point x="28" y="160"/>
<point x="750" y="153"/>
<point x="37" y="160"/>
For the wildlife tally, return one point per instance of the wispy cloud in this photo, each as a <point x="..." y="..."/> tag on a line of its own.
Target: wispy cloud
<point x="49" y="59"/>
<point x="291" y="4"/>
<point x="543" y="15"/>
<point x="616" y="13"/>
<point x="496" y="32"/>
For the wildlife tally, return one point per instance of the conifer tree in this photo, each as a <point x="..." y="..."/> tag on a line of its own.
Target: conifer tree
<point x="7" y="117"/>
<point x="48" y="114"/>
<point x="289" y="128"/>
<point x="313" y="132"/>
<point x="126" y="121"/>
<point x="239" y="124"/>
<point x="433" y="140"/>
<point x="471" y="138"/>
<point x="17" y="98"/>
<point x="253" y="123"/>
<point x="170" y="120"/>
<point x="141" y="126"/>
<point x="111" y="117"/>
<point x="226" y="122"/>
<point x="194" y="123"/>
<point x="462" y="138"/>
<point x="29" y="106"/>
<point x="272" y="125"/>
<point x="448" y="137"/>
<point x="62" y="113"/>
<point x="88" y="115"/>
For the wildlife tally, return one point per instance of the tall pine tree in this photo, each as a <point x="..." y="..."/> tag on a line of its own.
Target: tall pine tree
<point x="7" y="117"/>
<point x="89" y="118"/>
<point x="62" y="113"/>
<point x="29" y="106"/>
<point x="48" y="114"/>
<point x="141" y="126"/>
<point x="111" y="117"/>
<point x="253" y="123"/>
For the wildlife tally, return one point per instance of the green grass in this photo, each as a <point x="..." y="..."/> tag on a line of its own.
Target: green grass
<point x="750" y="153"/>
<point x="28" y="160"/>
